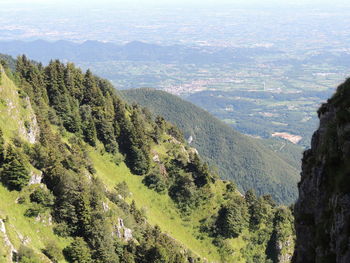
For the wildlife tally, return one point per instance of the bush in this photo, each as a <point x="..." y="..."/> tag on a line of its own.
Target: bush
<point x="42" y="196"/>
<point x="34" y="210"/>
<point x="26" y="255"/>
<point x="183" y="192"/>
<point x="122" y="189"/>
<point x="118" y="158"/>
<point x="156" y="182"/>
<point x="53" y="252"/>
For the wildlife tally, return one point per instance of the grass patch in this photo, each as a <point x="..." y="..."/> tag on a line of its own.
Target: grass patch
<point x="160" y="210"/>
<point x="23" y="229"/>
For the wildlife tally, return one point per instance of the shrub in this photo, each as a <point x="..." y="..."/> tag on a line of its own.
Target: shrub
<point x="42" y="196"/>
<point x="34" y="210"/>
<point x="156" y="182"/>
<point x="62" y="230"/>
<point x="26" y="255"/>
<point x="52" y="251"/>
<point x="122" y="189"/>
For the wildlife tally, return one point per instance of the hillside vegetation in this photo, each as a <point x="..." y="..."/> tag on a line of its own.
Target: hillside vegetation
<point x="86" y="177"/>
<point x="264" y="166"/>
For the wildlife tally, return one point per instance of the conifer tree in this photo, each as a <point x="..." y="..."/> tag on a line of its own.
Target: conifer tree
<point x="2" y="148"/>
<point x="232" y="218"/>
<point x="78" y="251"/>
<point x="88" y="125"/>
<point x="14" y="174"/>
<point x="92" y="95"/>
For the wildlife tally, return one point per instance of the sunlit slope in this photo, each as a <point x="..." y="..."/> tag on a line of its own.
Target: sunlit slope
<point x="159" y="209"/>
<point x="18" y="120"/>
<point x="36" y="232"/>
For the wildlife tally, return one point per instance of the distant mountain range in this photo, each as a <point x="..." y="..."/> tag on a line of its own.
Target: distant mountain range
<point x="95" y="51"/>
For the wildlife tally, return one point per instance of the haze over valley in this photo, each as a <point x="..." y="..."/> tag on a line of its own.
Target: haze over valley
<point x="174" y="131"/>
<point x="262" y="70"/>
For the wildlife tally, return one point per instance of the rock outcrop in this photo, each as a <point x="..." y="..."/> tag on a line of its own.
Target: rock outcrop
<point x="9" y="245"/>
<point x="322" y="212"/>
<point x="35" y="177"/>
<point x="122" y="231"/>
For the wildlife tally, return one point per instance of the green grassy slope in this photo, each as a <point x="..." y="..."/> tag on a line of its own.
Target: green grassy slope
<point x="20" y="229"/>
<point x="250" y="162"/>
<point x="159" y="208"/>
<point x="15" y="110"/>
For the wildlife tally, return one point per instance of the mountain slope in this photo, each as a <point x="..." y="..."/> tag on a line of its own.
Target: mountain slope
<point x="92" y="179"/>
<point x="247" y="161"/>
<point x="322" y="211"/>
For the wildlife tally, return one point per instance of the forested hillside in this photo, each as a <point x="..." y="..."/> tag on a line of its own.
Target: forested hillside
<point x="86" y="177"/>
<point x="251" y="163"/>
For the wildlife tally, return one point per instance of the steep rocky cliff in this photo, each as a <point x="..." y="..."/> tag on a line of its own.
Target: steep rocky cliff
<point x="322" y="212"/>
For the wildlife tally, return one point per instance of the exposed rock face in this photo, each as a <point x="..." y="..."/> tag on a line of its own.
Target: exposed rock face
<point x="13" y="251"/>
<point x="31" y="127"/>
<point x="322" y="212"/>
<point x="190" y="139"/>
<point x="35" y="178"/>
<point x="283" y="248"/>
<point x="105" y="207"/>
<point x="281" y="245"/>
<point x="122" y="231"/>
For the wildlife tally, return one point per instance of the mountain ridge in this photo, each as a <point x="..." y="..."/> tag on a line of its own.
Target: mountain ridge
<point x="95" y="51"/>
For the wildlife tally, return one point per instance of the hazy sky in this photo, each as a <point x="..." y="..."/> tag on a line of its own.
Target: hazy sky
<point x="314" y="3"/>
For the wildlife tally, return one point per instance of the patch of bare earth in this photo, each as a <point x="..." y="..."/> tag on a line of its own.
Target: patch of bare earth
<point x="287" y="136"/>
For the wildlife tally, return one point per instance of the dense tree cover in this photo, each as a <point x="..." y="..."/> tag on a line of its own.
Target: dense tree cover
<point x="67" y="100"/>
<point x="76" y="111"/>
<point x="267" y="228"/>
<point x="87" y="106"/>
<point x="248" y="161"/>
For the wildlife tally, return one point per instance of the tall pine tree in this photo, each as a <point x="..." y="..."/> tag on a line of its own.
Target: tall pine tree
<point x="14" y="174"/>
<point x="2" y="148"/>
